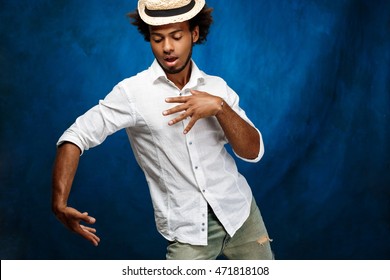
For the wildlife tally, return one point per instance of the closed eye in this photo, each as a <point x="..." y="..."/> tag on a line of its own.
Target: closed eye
<point x="177" y="35"/>
<point x="157" y="39"/>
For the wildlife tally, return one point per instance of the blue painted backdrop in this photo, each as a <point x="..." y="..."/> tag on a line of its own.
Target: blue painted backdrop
<point x="313" y="75"/>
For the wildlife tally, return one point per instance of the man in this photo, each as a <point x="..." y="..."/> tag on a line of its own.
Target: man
<point x="178" y="120"/>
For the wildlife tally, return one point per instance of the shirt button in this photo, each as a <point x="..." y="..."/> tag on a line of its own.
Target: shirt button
<point x="196" y="167"/>
<point x="190" y="143"/>
<point x="203" y="190"/>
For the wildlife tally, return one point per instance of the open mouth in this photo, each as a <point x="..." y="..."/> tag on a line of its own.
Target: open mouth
<point x="170" y="59"/>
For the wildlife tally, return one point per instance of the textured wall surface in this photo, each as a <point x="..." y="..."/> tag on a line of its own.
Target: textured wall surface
<point x="313" y="75"/>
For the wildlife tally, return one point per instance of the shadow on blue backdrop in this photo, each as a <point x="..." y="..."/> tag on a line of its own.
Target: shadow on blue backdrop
<point x="313" y="76"/>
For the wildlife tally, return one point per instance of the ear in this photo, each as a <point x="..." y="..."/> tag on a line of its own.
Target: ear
<point x="195" y="34"/>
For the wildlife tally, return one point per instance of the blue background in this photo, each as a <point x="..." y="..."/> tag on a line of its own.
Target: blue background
<point x="313" y="75"/>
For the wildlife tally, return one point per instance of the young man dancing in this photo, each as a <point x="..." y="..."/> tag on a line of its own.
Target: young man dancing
<point x="178" y="120"/>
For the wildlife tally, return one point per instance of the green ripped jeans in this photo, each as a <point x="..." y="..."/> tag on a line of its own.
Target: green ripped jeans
<point x="250" y="242"/>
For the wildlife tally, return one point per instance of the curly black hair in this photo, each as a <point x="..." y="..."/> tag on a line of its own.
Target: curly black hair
<point x="203" y="19"/>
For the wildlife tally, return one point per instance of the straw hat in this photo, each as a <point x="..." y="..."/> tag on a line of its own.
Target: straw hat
<point x="160" y="12"/>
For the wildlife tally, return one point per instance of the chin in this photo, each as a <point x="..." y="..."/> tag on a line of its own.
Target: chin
<point x="173" y="69"/>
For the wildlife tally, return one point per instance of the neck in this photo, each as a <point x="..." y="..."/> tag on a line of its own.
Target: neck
<point x="182" y="78"/>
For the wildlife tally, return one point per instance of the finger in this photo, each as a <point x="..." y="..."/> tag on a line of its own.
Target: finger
<point x="86" y="218"/>
<point x="190" y="124"/>
<point x="180" y="118"/>
<point x="178" y="99"/>
<point x="176" y="109"/>
<point x="89" y="229"/>
<point x="195" y="92"/>
<point x="93" y="238"/>
<point x="96" y="241"/>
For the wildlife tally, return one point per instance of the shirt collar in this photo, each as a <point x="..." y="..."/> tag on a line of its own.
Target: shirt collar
<point x="197" y="76"/>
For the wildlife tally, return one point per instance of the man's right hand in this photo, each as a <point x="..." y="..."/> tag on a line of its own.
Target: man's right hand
<point x="65" y="166"/>
<point x="72" y="219"/>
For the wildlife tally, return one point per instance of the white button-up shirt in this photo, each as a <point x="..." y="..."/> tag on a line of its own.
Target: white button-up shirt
<point x="185" y="173"/>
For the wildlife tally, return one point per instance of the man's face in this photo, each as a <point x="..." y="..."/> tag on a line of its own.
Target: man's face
<point x="172" y="45"/>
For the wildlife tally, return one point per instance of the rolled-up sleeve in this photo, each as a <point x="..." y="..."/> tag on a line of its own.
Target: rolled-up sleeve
<point x="259" y="155"/>
<point x="113" y="113"/>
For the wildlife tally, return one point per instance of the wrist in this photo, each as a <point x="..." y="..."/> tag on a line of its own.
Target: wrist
<point x="221" y="104"/>
<point x="58" y="207"/>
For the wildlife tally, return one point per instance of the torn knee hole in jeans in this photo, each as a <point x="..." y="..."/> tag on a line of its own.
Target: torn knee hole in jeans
<point x="264" y="239"/>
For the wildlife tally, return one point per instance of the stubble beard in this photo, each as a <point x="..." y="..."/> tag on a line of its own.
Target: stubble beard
<point x="178" y="70"/>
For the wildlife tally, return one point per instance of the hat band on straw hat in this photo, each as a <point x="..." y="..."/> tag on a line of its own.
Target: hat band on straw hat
<point x="160" y="12"/>
<point x="170" y="12"/>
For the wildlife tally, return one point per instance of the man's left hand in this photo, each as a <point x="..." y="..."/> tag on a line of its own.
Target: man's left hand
<point x="196" y="106"/>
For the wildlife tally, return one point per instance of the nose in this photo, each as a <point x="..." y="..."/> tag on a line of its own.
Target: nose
<point x="168" y="46"/>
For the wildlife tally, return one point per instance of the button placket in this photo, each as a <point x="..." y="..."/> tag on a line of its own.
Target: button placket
<point x="203" y="224"/>
<point x="195" y="161"/>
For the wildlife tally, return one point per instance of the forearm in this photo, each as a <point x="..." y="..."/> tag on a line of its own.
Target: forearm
<point x="244" y="139"/>
<point x="64" y="171"/>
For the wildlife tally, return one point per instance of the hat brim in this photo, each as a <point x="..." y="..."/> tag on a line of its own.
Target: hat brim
<point x="162" y="20"/>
